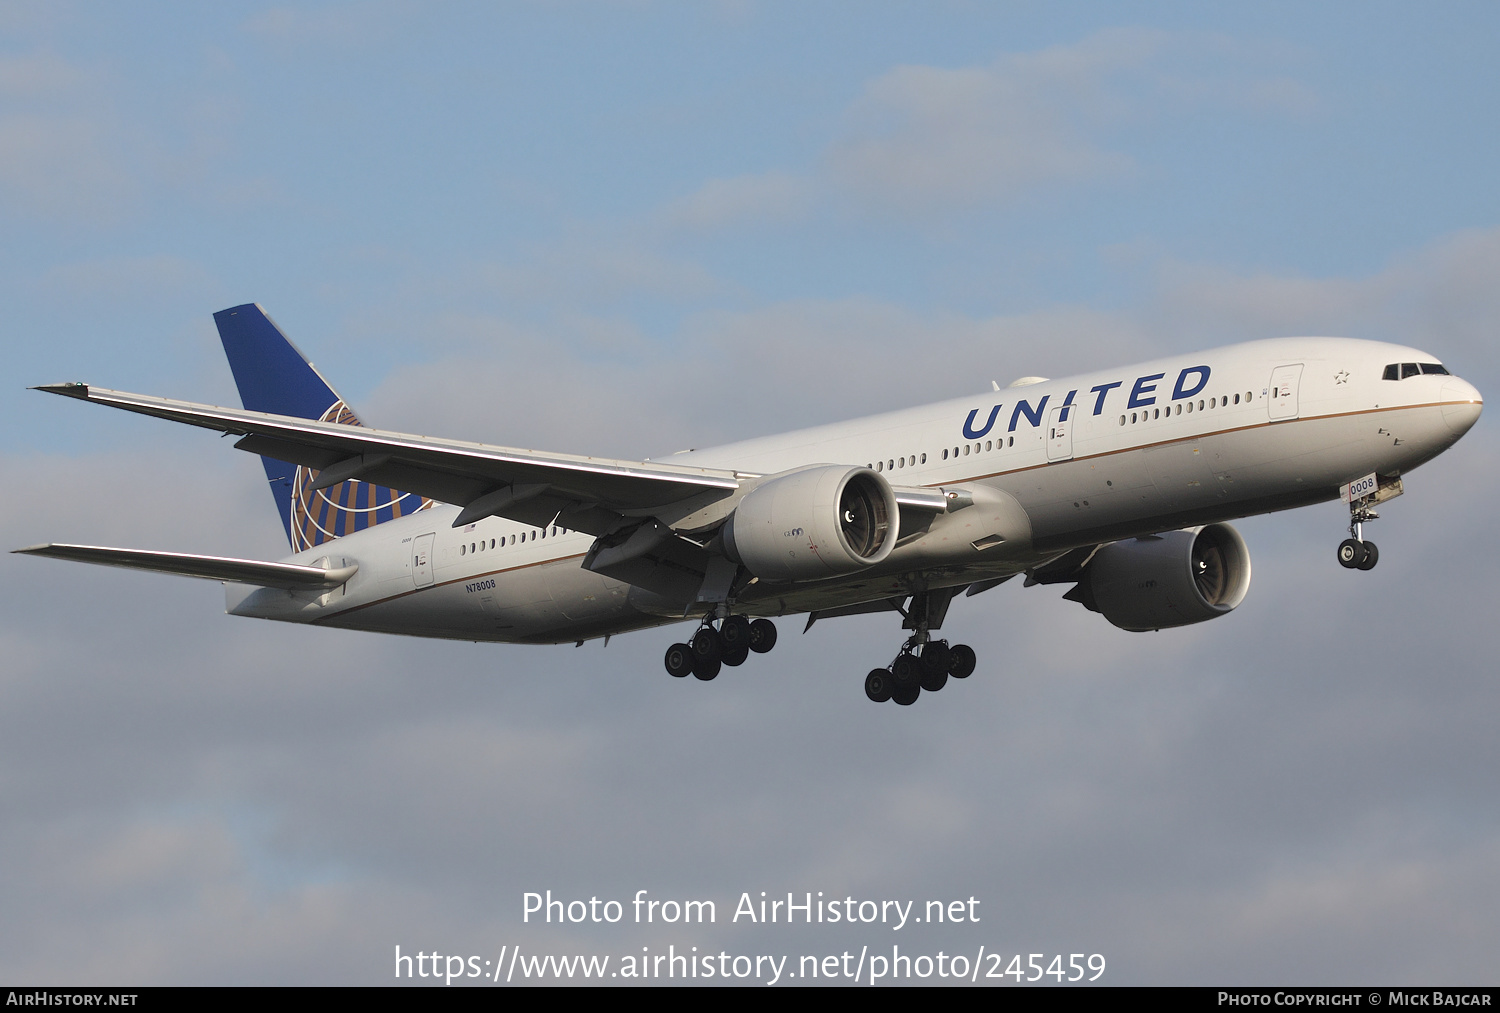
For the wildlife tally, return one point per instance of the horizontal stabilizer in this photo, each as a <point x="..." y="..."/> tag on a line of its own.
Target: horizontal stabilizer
<point x="291" y="576"/>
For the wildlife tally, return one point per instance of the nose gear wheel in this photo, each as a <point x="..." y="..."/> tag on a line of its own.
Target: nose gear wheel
<point x="1354" y="553"/>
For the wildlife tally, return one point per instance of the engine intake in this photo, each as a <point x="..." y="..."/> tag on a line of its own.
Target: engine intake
<point x="1172" y="579"/>
<point x="823" y="521"/>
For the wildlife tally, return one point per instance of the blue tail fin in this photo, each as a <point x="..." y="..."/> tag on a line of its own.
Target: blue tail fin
<point x="274" y="377"/>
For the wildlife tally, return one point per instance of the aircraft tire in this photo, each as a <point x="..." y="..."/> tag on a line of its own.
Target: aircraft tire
<point x="878" y="685"/>
<point x="1351" y="553"/>
<point x="735" y="632"/>
<point x="933" y="681"/>
<point x="706" y="671"/>
<point x="906" y="671"/>
<point x="936" y="658"/>
<point x="762" y="636"/>
<point x="679" y="661"/>
<point x="1372" y="556"/>
<point x="963" y="661"/>
<point x="734" y="657"/>
<point x="907" y="696"/>
<point x="707" y="646"/>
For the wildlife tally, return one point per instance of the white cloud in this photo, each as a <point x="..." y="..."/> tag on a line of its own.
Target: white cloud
<point x="925" y="140"/>
<point x="1442" y="298"/>
<point x="929" y="136"/>
<point x="773" y="197"/>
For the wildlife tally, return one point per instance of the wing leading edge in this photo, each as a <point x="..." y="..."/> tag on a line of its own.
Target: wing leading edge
<point x="591" y="494"/>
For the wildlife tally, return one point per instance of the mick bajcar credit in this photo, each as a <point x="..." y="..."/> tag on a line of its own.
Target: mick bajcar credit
<point x="872" y="960"/>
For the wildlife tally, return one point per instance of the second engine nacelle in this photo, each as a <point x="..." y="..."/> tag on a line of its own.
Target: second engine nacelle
<point x="823" y="521"/>
<point x="1173" y="579"/>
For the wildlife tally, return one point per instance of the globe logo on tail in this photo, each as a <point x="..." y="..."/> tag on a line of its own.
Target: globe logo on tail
<point x="319" y="515"/>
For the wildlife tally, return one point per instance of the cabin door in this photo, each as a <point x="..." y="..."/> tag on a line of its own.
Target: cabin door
<point x="1284" y="380"/>
<point x="421" y="559"/>
<point x="1060" y="432"/>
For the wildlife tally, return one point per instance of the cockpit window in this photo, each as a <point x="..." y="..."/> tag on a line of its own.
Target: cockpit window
<point x="1401" y="370"/>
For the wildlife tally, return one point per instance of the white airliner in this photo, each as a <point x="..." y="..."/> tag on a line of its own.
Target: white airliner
<point x="1118" y="482"/>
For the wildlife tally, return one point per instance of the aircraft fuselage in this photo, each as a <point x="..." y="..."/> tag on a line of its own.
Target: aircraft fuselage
<point x="1049" y="466"/>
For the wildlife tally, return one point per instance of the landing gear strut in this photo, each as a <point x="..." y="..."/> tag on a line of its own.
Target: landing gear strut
<point x="1354" y="552"/>
<point x="922" y="663"/>
<point x="731" y="643"/>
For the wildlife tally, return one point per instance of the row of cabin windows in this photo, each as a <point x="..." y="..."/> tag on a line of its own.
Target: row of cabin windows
<point x="1401" y="370"/>
<point x="968" y="448"/>
<point x="915" y="459"/>
<point x="502" y="541"/>
<point x="898" y="462"/>
<point x="979" y="448"/>
<point x="1177" y="409"/>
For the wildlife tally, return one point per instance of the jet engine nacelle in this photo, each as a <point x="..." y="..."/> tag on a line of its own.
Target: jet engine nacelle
<point x="1171" y="579"/>
<point x="822" y="521"/>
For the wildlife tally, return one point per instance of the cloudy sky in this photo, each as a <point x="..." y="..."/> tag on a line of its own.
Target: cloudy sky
<point x="628" y="228"/>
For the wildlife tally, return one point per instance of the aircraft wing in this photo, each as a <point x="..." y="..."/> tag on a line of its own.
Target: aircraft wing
<point x="589" y="494"/>
<point x="291" y="576"/>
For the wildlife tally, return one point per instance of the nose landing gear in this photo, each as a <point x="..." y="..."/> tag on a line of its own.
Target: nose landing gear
<point x="1354" y="552"/>
<point x="1362" y="495"/>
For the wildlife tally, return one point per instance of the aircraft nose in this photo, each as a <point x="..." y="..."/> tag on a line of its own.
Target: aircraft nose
<point x="1462" y="404"/>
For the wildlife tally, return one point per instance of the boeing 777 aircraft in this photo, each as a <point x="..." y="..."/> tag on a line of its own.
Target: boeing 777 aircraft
<point x="1119" y="482"/>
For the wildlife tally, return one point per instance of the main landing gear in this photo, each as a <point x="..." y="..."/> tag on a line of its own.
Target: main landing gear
<point x="732" y="643"/>
<point x="923" y="663"/>
<point x="1354" y="552"/>
<point x="920" y="665"/>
